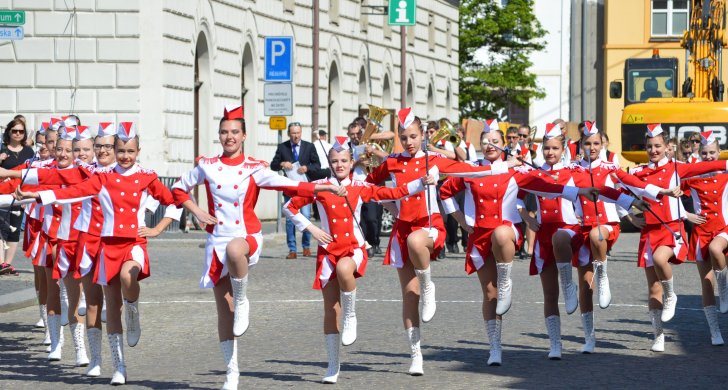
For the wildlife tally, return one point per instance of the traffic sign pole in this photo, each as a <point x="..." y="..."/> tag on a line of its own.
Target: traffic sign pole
<point x="402" y="12"/>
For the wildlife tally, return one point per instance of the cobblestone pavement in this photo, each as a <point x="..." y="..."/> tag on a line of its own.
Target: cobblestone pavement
<point x="284" y="346"/>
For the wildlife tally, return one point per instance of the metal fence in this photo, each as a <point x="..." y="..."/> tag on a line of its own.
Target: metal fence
<point x="152" y="219"/>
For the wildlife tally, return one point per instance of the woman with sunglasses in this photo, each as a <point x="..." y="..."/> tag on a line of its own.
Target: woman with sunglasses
<point x="14" y="152"/>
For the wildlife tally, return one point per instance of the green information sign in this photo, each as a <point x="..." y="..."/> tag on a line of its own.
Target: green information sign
<point x="402" y="12"/>
<point x="12" y="18"/>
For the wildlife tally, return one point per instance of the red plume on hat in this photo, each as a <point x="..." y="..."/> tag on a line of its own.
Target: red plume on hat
<point x="590" y="128"/>
<point x="127" y="131"/>
<point x="707" y="137"/>
<point x="233" y="111"/>
<point x="406" y="117"/>
<point x="654" y="130"/>
<point x="551" y="131"/>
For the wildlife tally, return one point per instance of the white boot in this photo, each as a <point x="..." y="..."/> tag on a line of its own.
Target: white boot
<point x="79" y="344"/>
<point x="494" y="338"/>
<point x="590" y="338"/>
<point x="568" y="288"/>
<point x="64" y="303"/>
<point x="427" y="294"/>
<point x="230" y="353"/>
<point x="54" y="327"/>
<point x="94" y="344"/>
<point x="116" y="344"/>
<point x="348" y="307"/>
<point x="712" y="316"/>
<point x="82" y="304"/>
<point x="133" y="327"/>
<point x="605" y="294"/>
<point x="42" y="319"/>
<point x="103" y="312"/>
<point x="242" y="306"/>
<point x="332" y="349"/>
<point x="669" y="300"/>
<point x="505" y="288"/>
<point x="553" y="327"/>
<point x="658" y="345"/>
<point x="413" y="338"/>
<point x="721" y="279"/>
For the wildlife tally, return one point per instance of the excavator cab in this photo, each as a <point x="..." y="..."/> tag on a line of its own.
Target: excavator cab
<point x="646" y="78"/>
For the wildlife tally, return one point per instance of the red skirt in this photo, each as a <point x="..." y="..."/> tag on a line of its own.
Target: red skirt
<point x="397" y="252"/>
<point x="65" y="263"/>
<point x="87" y="254"/>
<point x="114" y="252"/>
<point x="32" y="232"/>
<point x="584" y="254"/>
<point x="480" y="246"/>
<point x="44" y="254"/>
<point x="654" y="236"/>
<point x="326" y="265"/>
<point x="543" y="250"/>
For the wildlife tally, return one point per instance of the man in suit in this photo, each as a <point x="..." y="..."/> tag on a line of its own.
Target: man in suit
<point x="288" y="153"/>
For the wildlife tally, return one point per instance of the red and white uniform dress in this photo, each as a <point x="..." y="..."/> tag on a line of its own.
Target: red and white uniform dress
<point x="493" y="201"/>
<point x="609" y="213"/>
<point x="668" y="208"/>
<point x="413" y="215"/>
<point x="90" y="219"/>
<point x="336" y="219"/>
<point x="710" y="199"/>
<point x="560" y="214"/>
<point x="122" y="195"/>
<point x="693" y="158"/>
<point x="232" y="187"/>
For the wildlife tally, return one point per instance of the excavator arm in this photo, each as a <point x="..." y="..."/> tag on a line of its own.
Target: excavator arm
<point x="703" y="42"/>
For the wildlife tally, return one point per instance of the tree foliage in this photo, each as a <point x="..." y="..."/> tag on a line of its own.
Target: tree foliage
<point x="508" y="34"/>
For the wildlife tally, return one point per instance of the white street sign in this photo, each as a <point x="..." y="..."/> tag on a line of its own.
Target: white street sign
<point x="12" y="33"/>
<point x="278" y="99"/>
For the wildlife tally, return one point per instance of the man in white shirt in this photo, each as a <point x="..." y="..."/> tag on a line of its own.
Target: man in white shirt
<point x="322" y="148"/>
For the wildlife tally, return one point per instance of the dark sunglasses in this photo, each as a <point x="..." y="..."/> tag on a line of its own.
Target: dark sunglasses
<point x="695" y="141"/>
<point x="17" y="131"/>
<point x="523" y="135"/>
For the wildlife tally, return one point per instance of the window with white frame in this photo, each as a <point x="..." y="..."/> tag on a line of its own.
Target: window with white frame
<point x="669" y="18"/>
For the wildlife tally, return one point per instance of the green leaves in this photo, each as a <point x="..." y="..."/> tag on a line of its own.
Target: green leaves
<point x="508" y="34"/>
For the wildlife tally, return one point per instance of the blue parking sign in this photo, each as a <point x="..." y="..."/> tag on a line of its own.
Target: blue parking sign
<point x="279" y="59"/>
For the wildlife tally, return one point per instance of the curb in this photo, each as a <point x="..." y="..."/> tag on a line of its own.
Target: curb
<point x="17" y="300"/>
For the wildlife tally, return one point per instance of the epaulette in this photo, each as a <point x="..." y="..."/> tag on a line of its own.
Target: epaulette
<point x="361" y="183"/>
<point x="147" y="171"/>
<point x="207" y="160"/>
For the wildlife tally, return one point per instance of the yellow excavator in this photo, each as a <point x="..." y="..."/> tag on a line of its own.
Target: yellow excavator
<point x="699" y="105"/>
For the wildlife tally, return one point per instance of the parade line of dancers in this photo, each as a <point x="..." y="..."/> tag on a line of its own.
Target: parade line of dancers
<point x="85" y="197"/>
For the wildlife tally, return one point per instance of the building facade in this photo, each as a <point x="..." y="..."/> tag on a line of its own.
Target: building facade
<point x="171" y="65"/>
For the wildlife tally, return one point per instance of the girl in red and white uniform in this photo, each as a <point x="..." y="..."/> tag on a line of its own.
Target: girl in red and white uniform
<point x="234" y="243"/>
<point x="418" y="234"/>
<point x="658" y="246"/>
<point x="88" y="222"/>
<point x="492" y="217"/>
<point x="342" y="255"/>
<point x="709" y="239"/>
<point x="123" y="260"/>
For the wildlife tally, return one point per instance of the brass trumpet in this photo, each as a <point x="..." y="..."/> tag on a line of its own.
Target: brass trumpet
<point x="374" y="125"/>
<point x="446" y="132"/>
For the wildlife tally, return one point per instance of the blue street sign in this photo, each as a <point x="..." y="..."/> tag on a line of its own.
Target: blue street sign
<point x="12" y="33"/>
<point x="278" y="59"/>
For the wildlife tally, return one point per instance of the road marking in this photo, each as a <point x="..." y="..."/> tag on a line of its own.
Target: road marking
<point x="384" y="300"/>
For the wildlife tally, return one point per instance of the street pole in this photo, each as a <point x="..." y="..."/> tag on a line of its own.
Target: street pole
<point x="279" y="195"/>
<point x="315" y="87"/>
<point x="403" y="65"/>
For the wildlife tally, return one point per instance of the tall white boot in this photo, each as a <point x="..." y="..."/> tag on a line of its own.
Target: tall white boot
<point x="590" y="338"/>
<point x="54" y="327"/>
<point x="79" y="344"/>
<point x="568" y="288"/>
<point x="332" y="349"/>
<point x="82" y="304"/>
<point x="64" y="303"/>
<point x="230" y="353"/>
<point x="712" y="316"/>
<point x="721" y="279"/>
<point x="241" y="319"/>
<point x="553" y="327"/>
<point x="413" y="338"/>
<point x="44" y="318"/>
<point x="116" y="344"/>
<point x="41" y="320"/>
<point x="669" y="300"/>
<point x="505" y="288"/>
<point x="133" y="327"/>
<point x="658" y="344"/>
<point x="427" y="294"/>
<point x="94" y="344"/>
<point x="348" y="308"/>
<point x="494" y="328"/>
<point x="603" y="291"/>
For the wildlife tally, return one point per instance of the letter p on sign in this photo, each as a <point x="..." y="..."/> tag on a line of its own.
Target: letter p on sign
<point x="278" y="59"/>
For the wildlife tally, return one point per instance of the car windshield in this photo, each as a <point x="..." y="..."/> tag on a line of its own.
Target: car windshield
<point x="643" y="84"/>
